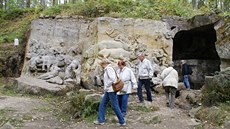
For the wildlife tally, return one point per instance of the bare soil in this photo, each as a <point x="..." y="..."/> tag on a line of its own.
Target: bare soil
<point x="34" y="113"/>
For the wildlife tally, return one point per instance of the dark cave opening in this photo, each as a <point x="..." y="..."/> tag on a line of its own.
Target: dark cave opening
<point x="197" y="46"/>
<point x="197" y="43"/>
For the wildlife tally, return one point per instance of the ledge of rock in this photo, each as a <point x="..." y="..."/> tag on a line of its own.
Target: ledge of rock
<point x="39" y="87"/>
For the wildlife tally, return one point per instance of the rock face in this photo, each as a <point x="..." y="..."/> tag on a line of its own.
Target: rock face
<point x="194" y="41"/>
<point x="223" y="41"/>
<point x="67" y="50"/>
<point x="71" y="48"/>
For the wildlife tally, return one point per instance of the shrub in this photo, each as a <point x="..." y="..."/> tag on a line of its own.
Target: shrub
<point x="216" y="91"/>
<point x="213" y="115"/>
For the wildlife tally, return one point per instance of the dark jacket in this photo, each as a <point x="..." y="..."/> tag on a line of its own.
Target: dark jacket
<point x="185" y="69"/>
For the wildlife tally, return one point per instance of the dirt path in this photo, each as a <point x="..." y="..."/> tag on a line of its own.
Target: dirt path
<point x="30" y="113"/>
<point x="164" y="118"/>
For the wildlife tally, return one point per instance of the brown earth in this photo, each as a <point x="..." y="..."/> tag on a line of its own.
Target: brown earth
<point x="35" y="113"/>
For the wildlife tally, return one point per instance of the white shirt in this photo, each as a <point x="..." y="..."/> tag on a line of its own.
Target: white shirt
<point x="109" y="78"/>
<point x="127" y="76"/>
<point x="145" y="69"/>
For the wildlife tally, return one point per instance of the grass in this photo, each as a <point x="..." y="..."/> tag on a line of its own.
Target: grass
<point x="15" y="24"/>
<point x="213" y="115"/>
<point x="6" y="116"/>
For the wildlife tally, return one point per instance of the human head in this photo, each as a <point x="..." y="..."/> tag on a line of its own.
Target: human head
<point x="121" y="63"/>
<point x="183" y="61"/>
<point x="104" y="63"/>
<point x="141" y="56"/>
<point x="170" y="63"/>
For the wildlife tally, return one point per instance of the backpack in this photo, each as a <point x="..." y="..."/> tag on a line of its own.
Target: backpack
<point x="190" y="70"/>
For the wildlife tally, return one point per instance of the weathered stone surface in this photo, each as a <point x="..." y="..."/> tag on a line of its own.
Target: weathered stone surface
<point x="65" y="39"/>
<point x="7" y="126"/>
<point x="38" y="87"/>
<point x="223" y="41"/>
<point x="60" y="41"/>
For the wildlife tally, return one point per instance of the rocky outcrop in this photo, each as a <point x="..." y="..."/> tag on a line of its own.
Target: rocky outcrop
<point x="223" y="41"/>
<point x="55" y="44"/>
<point x="67" y="50"/>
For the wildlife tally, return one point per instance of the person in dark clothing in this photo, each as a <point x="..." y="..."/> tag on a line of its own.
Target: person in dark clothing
<point x="185" y="74"/>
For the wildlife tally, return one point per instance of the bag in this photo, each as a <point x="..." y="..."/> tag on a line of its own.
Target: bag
<point x="118" y="85"/>
<point x="190" y="70"/>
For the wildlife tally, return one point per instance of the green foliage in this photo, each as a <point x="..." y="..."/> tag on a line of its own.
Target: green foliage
<point x="4" y="118"/>
<point x="148" y="9"/>
<point x="15" y="23"/>
<point x="54" y="10"/>
<point x="217" y="91"/>
<point x="75" y="103"/>
<point x="213" y="115"/>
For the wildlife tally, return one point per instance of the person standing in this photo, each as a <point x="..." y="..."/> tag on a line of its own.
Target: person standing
<point x="127" y="76"/>
<point x="170" y="84"/>
<point x="144" y="75"/>
<point x="185" y="74"/>
<point x="109" y="95"/>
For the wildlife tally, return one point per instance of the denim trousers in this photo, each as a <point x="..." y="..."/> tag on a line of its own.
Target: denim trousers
<point x="186" y="81"/>
<point x="112" y="96"/>
<point x="123" y="103"/>
<point x="145" y="82"/>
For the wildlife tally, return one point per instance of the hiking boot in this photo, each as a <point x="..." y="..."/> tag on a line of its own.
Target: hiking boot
<point x="96" y="122"/>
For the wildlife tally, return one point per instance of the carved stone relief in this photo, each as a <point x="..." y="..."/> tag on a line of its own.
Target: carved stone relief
<point x="69" y="52"/>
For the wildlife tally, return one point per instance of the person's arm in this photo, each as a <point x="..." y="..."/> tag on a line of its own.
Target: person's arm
<point x="133" y="80"/>
<point x="150" y="68"/>
<point x="111" y="76"/>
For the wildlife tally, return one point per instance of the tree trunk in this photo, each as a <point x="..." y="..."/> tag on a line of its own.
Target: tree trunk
<point x="194" y="4"/>
<point x="1" y="4"/>
<point x="43" y="3"/>
<point x="28" y="2"/>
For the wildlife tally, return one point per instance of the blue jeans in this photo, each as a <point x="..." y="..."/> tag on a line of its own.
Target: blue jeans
<point x="123" y="103"/>
<point x="112" y="96"/>
<point x="146" y="82"/>
<point x="186" y="81"/>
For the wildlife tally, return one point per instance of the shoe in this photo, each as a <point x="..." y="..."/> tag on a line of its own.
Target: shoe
<point x="96" y="122"/>
<point x="124" y="124"/>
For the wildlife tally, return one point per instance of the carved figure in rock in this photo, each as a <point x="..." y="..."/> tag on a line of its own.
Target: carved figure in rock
<point x="32" y="65"/>
<point x="114" y="53"/>
<point x="70" y="71"/>
<point x="110" y="44"/>
<point x="54" y="71"/>
<point x="47" y="61"/>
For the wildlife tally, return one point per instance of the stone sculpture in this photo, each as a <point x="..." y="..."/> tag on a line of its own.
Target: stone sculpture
<point x="72" y="68"/>
<point x="54" y="71"/>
